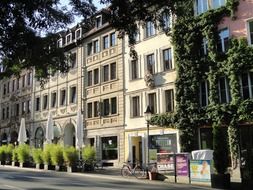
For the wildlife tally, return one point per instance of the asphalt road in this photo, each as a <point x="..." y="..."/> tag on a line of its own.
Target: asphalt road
<point x="18" y="179"/>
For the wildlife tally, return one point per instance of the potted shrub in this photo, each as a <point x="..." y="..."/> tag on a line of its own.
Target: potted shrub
<point x="37" y="157"/>
<point x="23" y="153"/>
<point x="15" y="157"/>
<point x="57" y="156"/>
<point x="152" y="172"/>
<point x="46" y="157"/>
<point x="70" y="157"/>
<point x="8" y="153"/>
<point x="89" y="157"/>
<point x="2" y="155"/>
<point x="221" y="177"/>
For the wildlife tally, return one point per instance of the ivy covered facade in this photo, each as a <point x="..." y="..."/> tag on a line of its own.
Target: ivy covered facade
<point x="214" y="60"/>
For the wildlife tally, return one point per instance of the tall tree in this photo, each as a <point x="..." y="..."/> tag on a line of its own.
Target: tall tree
<point x="28" y="34"/>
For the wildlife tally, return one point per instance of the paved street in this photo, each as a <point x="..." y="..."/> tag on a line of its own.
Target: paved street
<point x="39" y="180"/>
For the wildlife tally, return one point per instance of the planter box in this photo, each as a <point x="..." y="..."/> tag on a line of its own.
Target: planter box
<point x="220" y="181"/>
<point x="152" y="175"/>
<point x="39" y="166"/>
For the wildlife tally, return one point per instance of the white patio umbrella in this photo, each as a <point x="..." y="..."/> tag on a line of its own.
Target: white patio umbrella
<point x="49" y="129"/>
<point x="22" y="137"/>
<point x="79" y="130"/>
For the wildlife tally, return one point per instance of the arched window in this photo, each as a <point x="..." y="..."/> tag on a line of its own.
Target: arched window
<point x="39" y="138"/>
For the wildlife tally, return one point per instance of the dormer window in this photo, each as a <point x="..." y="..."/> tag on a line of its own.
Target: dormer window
<point x="98" y="21"/>
<point x="68" y="39"/>
<point x="59" y="43"/>
<point x="78" y="33"/>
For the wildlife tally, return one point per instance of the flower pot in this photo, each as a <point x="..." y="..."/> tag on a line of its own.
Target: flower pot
<point x="220" y="181"/>
<point x="152" y="175"/>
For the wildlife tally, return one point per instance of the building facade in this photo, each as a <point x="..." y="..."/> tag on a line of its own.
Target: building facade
<point x="149" y="80"/>
<point x="103" y="92"/>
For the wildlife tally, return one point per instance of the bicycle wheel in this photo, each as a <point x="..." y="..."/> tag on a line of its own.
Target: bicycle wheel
<point x="125" y="172"/>
<point x="139" y="172"/>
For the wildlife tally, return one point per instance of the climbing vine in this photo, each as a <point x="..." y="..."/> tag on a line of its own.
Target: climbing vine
<point x="193" y="67"/>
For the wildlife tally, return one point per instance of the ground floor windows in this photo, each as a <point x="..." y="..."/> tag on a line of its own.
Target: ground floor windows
<point x="166" y="143"/>
<point x="206" y="138"/>
<point x="109" y="148"/>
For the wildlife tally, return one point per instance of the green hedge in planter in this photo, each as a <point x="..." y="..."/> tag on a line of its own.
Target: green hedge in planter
<point x="2" y="153"/>
<point x="23" y="153"/>
<point x="89" y="154"/>
<point x="56" y="155"/>
<point x="70" y="156"/>
<point x="46" y="156"/>
<point x="8" y="152"/>
<point x="37" y="155"/>
<point x="15" y="154"/>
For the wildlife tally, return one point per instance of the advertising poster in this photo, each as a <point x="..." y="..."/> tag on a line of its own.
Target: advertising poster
<point x="200" y="170"/>
<point x="182" y="164"/>
<point x="165" y="162"/>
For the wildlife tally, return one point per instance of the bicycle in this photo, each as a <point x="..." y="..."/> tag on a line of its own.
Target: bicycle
<point x="136" y="171"/>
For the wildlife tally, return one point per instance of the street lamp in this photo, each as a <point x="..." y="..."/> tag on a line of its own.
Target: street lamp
<point x="148" y="114"/>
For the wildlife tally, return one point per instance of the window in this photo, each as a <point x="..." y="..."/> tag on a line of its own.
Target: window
<point x="204" y="5"/>
<point x="96" y="109"/>
<point x="29" y="78"/>
<point x="73" y="94"/>
<point x="223" y="41"/>
<point x="112" y="39"/>
<point x="23" y="81"/>
<point x="246" y="84"/>
<point x="8" y="87"/>
<point x="73" y="60"/>
<point x="134" y="69"/>
<point x="4" y="91"/>
<point x="218" y="3"/>
<point x="169" y="100"/>
<point x="164" y="143"/>
<point x="13" y="85"/>
<point x="78" y="33"/>
<point x="89" y="111"/>
<point x="37" y="104"/>
<point x="98" y="21"/>
<point x="224" y="94"/>
<point x="53" y="100"/>
<point x="109" y="148"/>
<point x="89" y="49"/>
<point x="113" y="71"/>
<point x="68" y="39"/>
<point x="7" y="112"/>
<point x="45" y="102"/>
<point x="28" y="105"/>
<point x="17" y="109"/>
<point x="3" y="113"/>
<point x="250" y="32"/>
<point x="105" y="42"/>
<point x="106" y="107"/>
<point x="23" y="107"/>
<point x="95" y="46"/>
<point x="136" y="106"/>
<point x="89" y="78"/>
<point x="204" y="47"/>
<point x="166" y="21"/>
<point x="150" y="29"/>
<point x="105" y="73"/>
<point x="203" y="93"/>
<point x="63" y="97"/>
<point x="113" y="105"/>
<point x="167" y="59"/>
<point x="59" y="43"/>
<point x="96" y="76"/>
<point x="151" y="63"/>
<point x="152" y="102"/>
<point x="206" y="138"/>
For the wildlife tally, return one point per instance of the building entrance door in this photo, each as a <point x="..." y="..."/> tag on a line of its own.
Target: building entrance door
<point x="246" y="143"/>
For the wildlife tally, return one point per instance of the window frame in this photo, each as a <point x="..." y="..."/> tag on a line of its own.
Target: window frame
<point x="165" y="60"/>
<point x="149" y="29"/>
<point x="135" y="106"/>
<point x="249" y="32"/>
<point x="73" y="97"/>
<point x="170" y="102"/>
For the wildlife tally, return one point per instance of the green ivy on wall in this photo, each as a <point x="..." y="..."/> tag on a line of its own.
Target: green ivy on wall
<point x="193" y="67"/>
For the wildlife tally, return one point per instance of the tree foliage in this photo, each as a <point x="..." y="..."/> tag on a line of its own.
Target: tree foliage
<point x="28" y="34"/>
